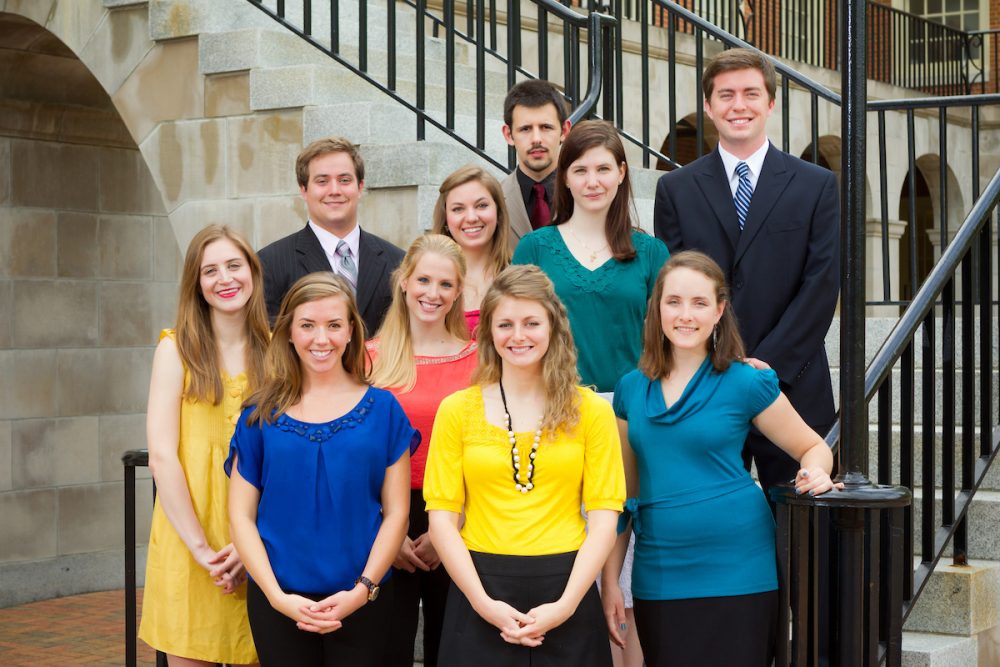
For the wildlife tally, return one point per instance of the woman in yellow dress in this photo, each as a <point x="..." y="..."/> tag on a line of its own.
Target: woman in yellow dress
<point x="194" y="605"/>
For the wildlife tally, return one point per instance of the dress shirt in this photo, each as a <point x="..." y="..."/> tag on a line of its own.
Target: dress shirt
<point x="527" y="188"/>
<point x="329" y="242"/>
<point x="755" y="162"/>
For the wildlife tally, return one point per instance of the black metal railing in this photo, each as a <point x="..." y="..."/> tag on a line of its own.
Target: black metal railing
<point x="985" y="61"/>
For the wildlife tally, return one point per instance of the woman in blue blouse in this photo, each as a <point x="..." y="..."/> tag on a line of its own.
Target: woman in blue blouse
<point x="704" y="578"/>
<point x="320" y="489"/>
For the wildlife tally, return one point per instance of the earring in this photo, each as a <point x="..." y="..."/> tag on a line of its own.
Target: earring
<point x="348" y="340"/>
<point x="715" y="336"/>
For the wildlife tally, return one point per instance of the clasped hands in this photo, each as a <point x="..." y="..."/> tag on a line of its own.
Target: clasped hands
<point x="224" y="567"/>
<point x="321" y="616"/>
<point x="526" y="629"/>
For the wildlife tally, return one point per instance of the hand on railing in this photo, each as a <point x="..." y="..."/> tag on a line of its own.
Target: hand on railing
<point x="815" y="481"/>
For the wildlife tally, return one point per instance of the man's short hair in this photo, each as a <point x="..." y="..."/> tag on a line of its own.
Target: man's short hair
<point x="322" y="147"/>
<point x="534" y="93"/>
<point x="736" y="59"/>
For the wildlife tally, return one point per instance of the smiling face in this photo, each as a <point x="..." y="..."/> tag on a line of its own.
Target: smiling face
<point x="593" y="179"/>
<point x="431" y="289"/>
<point x="320" y="331"/>
<point x="689" y="309"/>
<point x="471" y="215"/>
<point x="521" y="331"/>
<point x="536" y="134"/>
<point x="225" y="277"/>
<point x="332" y="193"/>
<point x="739" y="106"/>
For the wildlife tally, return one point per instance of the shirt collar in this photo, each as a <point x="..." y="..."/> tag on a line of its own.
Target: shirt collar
<point x="329" y="241"/>
<point x="755" y="162"/>
<point x="527" y="184"/>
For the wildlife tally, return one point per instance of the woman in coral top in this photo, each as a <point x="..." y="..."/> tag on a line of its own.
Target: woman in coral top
<point x="422" y="353"/>
<point x="518" y="453"/>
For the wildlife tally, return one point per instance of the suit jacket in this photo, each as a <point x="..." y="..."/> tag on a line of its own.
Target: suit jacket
<point x="288" y="259"/>
<point x="783" y="268"/>
<point x="517" y="210"/>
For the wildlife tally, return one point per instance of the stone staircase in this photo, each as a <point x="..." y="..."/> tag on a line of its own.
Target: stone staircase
<point x="275" y="93"/>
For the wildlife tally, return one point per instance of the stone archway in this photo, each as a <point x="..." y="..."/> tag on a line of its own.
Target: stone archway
<point x="686" y="140"/>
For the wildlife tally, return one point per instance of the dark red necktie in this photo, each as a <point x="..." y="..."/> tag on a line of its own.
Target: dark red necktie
<point x="540" y="214"/>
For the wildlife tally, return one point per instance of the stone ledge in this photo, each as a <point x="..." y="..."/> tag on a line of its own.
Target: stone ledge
<point x="930" y="650"/>
<point x="959" y="600"/>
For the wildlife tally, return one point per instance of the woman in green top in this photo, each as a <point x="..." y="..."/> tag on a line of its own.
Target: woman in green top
<point x="603" y="266"/>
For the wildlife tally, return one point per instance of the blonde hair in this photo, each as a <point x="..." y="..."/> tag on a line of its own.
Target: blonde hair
<point x="559" y="374"/>
<point x="395" y="366"/>
<point x="500" y="245"/>
<point x="196" y="344"/>
<point x="283" y="387"/>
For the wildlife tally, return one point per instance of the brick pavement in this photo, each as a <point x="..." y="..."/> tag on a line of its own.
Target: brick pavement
<point x="84" y="629"/>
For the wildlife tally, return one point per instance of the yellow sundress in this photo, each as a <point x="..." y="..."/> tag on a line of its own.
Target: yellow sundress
<point x="183" y="612"/>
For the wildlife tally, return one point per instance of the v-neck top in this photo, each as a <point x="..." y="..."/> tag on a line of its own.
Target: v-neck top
<point x="606" y="305"/>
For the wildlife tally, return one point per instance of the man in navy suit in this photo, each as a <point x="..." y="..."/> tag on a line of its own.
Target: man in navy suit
<point x="772" y="223"/>
<point x="331" y="177"/>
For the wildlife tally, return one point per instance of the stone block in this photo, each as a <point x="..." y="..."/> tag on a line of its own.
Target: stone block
<point x="187" y="160"/>
<point x="75" y="22"/>
<point x="126" y="372"/>
<point x="164" y="307"/>
<point x="363" y="122"/>
<point x="126" y="184"/>
<point x="29" y="240"/>
<point x="126" y="309"/>
<point x="48" y="170"/>
<point x="959" y="600"/>
<point x="54" y="313"/>
<point x="227" y="95"/>
<point x="242" y="50"/>
<point x="934" y="650"/>
<point x="117" y="46"/>
<point x="6" y="311"/>
<point x="91" y="518"/>
<point x="392" y="213"/>
<point x="6" y="482"/>
<point x="261" y="151"/>
<point x="277" y="217"/>
<point x="165" y="86"/>
<point x="989" y="646"/>
<point x="29" y="387"/>
<point x="36" y="10"/>
<point x="28" y="525"/>
<point x="167" y="258"/>
<point x="169" y="19"/>
<point x="118" y="434"/>
<point x="54" y="452"/>
<point x="5" y="171"/>
<point x="80" y="384"/>
<point x="125" y="246"/>
<point x="78" y="254"/>
<point x="95" y="127"/>
<point x="188" y="219"/>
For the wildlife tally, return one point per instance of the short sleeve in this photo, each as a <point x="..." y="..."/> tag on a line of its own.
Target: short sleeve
<point x="526" y="251"/>
<point x="623" y="390"/>
<point x="657" y="255"/>
<point x="247" y="445"/>
<point x="444" y="481"/>
<point x="763" y="391"/>
<point x="603" y="471"/>
<point x="402" y="436"/>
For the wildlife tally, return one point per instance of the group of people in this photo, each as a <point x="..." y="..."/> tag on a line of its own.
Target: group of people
<point x="536" y="423"/>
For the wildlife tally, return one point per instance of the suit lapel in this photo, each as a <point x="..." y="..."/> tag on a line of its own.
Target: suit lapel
<point x="715" y="187"/>
<point x="516" y="211"/>
<point x="370" y="269"/>
<point x="311" y="255"/>
<point x="773" y="180"/>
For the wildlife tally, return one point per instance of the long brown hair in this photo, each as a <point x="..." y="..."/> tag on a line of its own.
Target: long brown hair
<point x="394" y="366"/>
<point x="196" y="344"/>
<point x="500" y="244"/>
<point x="559" y="375"/>
<point x="283" y="387"/>
<point x="657" y="358"/>
<point x="621" y="216"/>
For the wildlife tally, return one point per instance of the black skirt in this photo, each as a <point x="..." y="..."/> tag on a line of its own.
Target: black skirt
<point x="735" y="631"/>
<point x="524" y="582"/>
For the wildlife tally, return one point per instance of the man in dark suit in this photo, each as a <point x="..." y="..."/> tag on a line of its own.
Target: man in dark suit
<point x="331" y="177"/>
<point x="536" y="121"/>
<point x="772" y="223"/>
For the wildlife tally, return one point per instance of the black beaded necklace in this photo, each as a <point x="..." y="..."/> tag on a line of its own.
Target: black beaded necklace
<point x="515" y="455"/>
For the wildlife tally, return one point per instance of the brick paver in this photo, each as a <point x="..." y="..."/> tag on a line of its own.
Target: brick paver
<point x="84" y="629"/>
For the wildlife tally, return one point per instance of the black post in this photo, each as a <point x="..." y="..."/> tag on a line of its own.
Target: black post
<point x="130" y="582"/>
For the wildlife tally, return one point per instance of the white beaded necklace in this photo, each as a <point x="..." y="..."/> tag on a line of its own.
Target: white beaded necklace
<point x="515" y="455"/>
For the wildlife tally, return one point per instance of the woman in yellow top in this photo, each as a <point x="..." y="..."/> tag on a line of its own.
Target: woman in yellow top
<point x="194" y="605"/>
<point x="517" y="453"/>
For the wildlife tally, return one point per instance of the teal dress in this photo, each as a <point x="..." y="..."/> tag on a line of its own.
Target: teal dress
<point x="703" y="527"/>
<point x="606" y="306"/>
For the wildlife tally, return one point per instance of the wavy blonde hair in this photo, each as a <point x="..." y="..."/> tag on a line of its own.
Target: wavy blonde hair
<point x="559" y="374"/>
<point x="283" y="387"/>
<point x="196" y="344"/>
<point x="395" y="366"/>
<point x="500" y="245"/>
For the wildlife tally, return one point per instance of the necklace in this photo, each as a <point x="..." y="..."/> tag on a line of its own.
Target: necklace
<point x="515" y="455"/>
<point x="593" y="253"/>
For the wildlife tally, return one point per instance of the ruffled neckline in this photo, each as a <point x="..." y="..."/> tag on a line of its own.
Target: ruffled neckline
<point x="584" y="279"/>
<point x="697" y="394"/>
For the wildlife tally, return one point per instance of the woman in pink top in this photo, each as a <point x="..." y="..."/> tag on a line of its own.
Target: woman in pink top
<point x="422" y="353"/>
<point x="471" y="210"/>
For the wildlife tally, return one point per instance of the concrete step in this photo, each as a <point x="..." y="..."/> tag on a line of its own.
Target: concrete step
<point x="990" y="483"/>
<point x="958" y="600"/>
<point x="984" y="518"/>
<point x="921" y="649"/>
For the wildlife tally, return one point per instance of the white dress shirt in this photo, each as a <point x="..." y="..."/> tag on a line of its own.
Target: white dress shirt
<point x="329" y="242"/>
<point x="755" y="162"/>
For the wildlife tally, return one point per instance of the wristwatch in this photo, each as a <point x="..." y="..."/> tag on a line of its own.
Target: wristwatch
<point x="370" y="585"/>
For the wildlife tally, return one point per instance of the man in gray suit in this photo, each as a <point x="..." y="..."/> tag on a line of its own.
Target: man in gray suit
<point x="535" y="123"/>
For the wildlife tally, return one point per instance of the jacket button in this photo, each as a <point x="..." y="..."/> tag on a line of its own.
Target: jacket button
<point x="739" y="284"/>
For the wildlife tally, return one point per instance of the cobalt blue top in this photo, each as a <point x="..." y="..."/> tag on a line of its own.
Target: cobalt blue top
<point x="703" y="527"/>
<point x="320" y="488"/>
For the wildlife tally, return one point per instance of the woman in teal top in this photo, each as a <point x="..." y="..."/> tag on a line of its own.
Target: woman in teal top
<point x="602" y="266"/>
<point x="704" y="578"/>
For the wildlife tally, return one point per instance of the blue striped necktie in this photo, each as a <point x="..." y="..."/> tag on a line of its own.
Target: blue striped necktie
<point x="743" y="194"/>
<point x="347" y="268"/>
